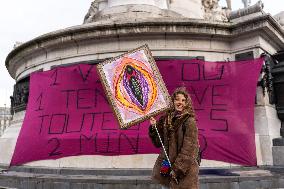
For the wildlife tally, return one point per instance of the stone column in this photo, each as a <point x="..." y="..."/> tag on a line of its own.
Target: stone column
<point x="187" y="8"/>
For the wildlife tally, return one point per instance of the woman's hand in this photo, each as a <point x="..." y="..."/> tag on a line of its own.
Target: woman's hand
<point x="153" y="121"/>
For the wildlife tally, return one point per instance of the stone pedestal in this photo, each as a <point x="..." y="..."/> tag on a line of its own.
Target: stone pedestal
<point x="112" y="3"/>
<point x="122" y="28"/>
<point x="188" y="8"/>
<point x="278" y="154"/>
<point x="9" y="138"/>
<point x="163" y="4"/>
<point x="278" y="81"/>
<point x="278" y="151"/>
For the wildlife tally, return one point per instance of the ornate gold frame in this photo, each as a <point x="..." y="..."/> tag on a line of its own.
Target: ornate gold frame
<point x="160" y="83"/>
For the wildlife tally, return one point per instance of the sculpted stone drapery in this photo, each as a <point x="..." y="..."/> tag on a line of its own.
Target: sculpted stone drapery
<point x="229" y="4"/>
<point x="212" y="10"/>
<point x="210" y="4"/>
<point x="93" y="10"/>
<point x="246" y="3"/>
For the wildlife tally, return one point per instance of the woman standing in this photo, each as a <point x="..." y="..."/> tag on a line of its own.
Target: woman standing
<point x="179" y="135"/>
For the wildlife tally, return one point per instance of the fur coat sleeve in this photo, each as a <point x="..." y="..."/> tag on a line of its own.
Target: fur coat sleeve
<point x="189" y="150"/>
<point x="153" y="133"/>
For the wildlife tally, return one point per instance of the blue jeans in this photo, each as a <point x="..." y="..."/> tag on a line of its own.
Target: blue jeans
<point x="163" y="187"/>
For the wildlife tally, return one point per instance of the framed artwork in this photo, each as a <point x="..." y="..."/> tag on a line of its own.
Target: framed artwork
<point x="134" y="86"/>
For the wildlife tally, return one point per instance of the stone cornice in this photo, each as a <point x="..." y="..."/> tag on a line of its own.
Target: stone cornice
<point x="265" y="24"/>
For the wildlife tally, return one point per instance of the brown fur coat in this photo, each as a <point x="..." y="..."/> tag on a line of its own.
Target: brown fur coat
<point x="180" y="137"/>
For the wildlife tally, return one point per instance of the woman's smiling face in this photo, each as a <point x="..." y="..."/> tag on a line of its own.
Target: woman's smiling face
<point x="179" y="102"/>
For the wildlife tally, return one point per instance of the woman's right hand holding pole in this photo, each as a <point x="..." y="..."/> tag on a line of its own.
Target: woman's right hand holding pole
<point x="153" y="121"/>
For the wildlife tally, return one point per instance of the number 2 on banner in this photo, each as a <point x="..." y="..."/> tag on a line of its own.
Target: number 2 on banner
<point x="55" y="151"/>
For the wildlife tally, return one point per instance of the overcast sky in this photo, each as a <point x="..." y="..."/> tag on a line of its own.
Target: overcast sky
<point x="24" y="20"/>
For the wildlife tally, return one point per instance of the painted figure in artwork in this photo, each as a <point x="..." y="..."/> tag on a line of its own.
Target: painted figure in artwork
<point x="134" y="88"/>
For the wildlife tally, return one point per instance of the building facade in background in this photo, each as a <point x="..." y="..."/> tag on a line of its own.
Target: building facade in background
<point x="5" y="118"/>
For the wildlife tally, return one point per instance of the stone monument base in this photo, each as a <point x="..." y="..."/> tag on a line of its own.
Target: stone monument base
<point x="278" y="154"/>
<point x="26" y="177"/>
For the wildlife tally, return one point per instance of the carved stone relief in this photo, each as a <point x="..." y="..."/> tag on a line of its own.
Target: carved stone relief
<point x="213" y="12"/>
<point x="93" y="10"/>
<point x="20" y="96"/>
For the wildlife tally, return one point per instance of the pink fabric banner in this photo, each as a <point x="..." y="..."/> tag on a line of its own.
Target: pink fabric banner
<point x="68" y="114"/>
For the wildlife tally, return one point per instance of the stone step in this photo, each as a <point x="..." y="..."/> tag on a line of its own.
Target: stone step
<point x="126" y="172"/>
<point x="77" y="171"/>
<point x="41" y="178"/>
